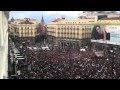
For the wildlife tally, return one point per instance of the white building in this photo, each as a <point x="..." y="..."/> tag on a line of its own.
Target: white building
<point x="4" y="15"/>
<point x="96" y="15"/>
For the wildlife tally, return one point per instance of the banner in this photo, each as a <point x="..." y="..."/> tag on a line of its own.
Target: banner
<point x="115" y="34"/>
<point x="108" y="34"/>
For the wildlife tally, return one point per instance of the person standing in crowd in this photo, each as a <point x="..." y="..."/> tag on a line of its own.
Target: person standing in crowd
<point x="56" y="64"/>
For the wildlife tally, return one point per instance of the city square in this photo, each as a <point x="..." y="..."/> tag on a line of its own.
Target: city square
<point x="86" y="47"/>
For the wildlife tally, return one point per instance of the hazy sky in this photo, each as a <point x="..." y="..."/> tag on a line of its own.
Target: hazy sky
<point x="48" y="15"/>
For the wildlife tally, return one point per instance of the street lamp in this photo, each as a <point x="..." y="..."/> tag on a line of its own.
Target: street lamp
<point x="52" y="47"/>
<point x="70" y="46"/>
<point x="21" y="49"/>
<point x="112" y="52"/>
<point x="14" y="66"/>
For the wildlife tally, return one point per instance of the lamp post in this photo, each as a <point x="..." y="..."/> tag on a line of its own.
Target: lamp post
<point x="112" y="52"/>
<point x="52" y="47"/>
<point x="69" y="51"/>
<point x="21" y="49"/>
<point x="113" y="63"/>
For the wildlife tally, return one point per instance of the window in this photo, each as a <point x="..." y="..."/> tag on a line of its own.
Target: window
<point x="68" y="27"/>
<point x="15" y="30"/>
<point x="64" y="27"/>
<point x="74" y="28"/>
<point x="33" y="28"/>
<point x="31" y="32"/>
<point x="77" y="27"/>
<point x="73" y="33"/>
<point x="21" y="34"/>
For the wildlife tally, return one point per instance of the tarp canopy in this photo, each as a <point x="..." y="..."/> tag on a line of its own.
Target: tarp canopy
<point x="82" y="50"/>
<point x="99" y="53"/>
<point x="45" y="48"/>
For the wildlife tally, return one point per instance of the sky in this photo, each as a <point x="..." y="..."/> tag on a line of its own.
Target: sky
<point x="47" y="15"/>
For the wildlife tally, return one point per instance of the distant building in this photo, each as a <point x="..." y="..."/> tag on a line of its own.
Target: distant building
<point x="97" y="15"/>
<point x="11" y="25"/>
<point x="42" y="27"/>
<point x="25" y="29"/>
<point x="110" y="19"/>
<point x="12" y="19"/>
<point x="74" y="31"/>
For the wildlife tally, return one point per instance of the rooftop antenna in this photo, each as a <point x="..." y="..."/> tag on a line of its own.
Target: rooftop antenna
<point x="57" y="14"/>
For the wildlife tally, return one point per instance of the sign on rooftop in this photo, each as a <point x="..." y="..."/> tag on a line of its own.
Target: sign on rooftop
<point x="108" y="34"/>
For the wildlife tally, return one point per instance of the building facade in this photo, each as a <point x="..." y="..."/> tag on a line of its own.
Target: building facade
<point x="110" y="19"/>
<point x="4" y="15"/>
<point x="42" y="27"/>
<point x="75" y="31"/>
<point x="97" y="15"/>
<point x="24" y="29"/>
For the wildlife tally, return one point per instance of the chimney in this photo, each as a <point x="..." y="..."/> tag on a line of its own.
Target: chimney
<point x="63" y="17"/>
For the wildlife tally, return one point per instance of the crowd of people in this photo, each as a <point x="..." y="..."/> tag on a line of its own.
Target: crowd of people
<point x="68" y="63"/>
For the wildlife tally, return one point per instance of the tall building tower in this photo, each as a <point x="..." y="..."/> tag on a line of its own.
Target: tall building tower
<point x="42" y="29"/>
<point x="12" y="19"/>
<point x="42" y="20"/>
<point x="42" y="26"/>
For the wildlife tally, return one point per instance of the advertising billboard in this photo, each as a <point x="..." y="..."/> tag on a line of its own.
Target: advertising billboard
<point x="109" y="34"/>
<point x="115" y="34"/>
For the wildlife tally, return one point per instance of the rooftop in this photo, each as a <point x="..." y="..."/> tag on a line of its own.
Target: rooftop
<point x="111" y="18"/>
<point x="26" y="22"/>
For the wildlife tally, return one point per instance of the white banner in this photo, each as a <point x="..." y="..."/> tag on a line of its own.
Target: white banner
<point x="115" y="34"/>
<point x="108" y="34"/>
